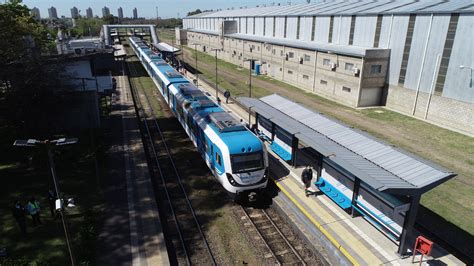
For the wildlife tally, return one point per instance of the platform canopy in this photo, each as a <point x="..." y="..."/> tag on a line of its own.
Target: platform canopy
<point x="380" y="165"/>
<point x="164" y="47"/>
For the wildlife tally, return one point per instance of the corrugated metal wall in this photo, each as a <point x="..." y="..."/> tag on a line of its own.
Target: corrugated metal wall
<point x="393" y="34"/>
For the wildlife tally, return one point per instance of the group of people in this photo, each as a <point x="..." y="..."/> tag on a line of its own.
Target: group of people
<point x="32" y="209"/>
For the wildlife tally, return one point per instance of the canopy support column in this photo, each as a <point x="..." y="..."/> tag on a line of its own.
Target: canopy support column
<point x="408" y="224"/>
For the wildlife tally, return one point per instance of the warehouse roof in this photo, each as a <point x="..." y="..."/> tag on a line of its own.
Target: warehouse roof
<point x="353" y="7"/>
<point x="378" y="164"/>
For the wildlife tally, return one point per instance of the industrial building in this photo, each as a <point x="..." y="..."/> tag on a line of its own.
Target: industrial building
<point x="414" y="57"/>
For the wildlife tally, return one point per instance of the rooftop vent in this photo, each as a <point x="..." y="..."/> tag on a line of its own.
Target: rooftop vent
<point x="225" y="122"/>
<point x="173" y="74"/>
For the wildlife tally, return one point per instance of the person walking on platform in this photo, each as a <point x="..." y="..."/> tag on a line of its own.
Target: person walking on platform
<point x="306" y="178"/>
<point x="18" y="212"/>
<point x="227" y="96"/>
<point x="33" y="208"/>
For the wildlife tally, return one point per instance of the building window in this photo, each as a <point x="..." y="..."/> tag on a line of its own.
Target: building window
<point x="375" y="69"/>
<point x="326" y="62"/>
<point x="281" y="52"/>
<point x="274" y="26"/>
<point x="351" y="33"/>
<point x="281" y="69"/>
<point x="290" y="72"/>
<point x="448" y="45"/>
<point x="307" y="58"/>
<point x="284" y="30"/>
<point x="313" y="29"/>
<point x="331" y="27"/>
<point x="273" y="51"/>
<point x="291" y="54"/>
<point x="298" y="27"/>
<point x="378" y="29"/>
<point x="349" y="67"/>
<point x="305" y="77"/>
<point x="346" y="89"/>
<point x="406" y="50"/>
<point x="323" y="82"/>
<point x="264" y="25"/>
<point x="253" y="25"/>
<point x="246" y="25"/>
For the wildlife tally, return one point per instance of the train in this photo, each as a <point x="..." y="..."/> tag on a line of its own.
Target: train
<point x="236" y="157"/>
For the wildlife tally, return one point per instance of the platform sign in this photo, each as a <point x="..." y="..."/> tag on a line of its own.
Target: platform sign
<point x="423" y="246"/>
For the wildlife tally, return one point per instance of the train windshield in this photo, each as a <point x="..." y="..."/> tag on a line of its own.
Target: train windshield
<point x="246" y="162"/>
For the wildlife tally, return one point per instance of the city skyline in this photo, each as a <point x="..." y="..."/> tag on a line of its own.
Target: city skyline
<point x="147" y="8"/>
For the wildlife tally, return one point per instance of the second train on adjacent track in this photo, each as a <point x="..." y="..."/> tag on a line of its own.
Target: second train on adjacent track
<point x="236" y="156"/>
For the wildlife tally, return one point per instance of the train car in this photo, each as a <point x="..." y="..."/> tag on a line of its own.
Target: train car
<point x="237" y="158"/>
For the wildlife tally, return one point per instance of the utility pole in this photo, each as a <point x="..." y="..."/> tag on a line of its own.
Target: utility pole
<point x="59" y="202"/>
<point x="217" y="87"/>
<point x="250" y="60"/>
<point x="196" y="68"/>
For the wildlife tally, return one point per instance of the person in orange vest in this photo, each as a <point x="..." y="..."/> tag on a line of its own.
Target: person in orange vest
<point x="33" y="208"/>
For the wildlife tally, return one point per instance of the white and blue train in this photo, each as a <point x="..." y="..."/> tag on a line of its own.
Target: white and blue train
<point x="236" y="157"/>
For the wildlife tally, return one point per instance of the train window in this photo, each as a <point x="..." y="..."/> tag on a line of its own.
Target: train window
<point x="218" y="159"/>
<point x="246" y="162"/>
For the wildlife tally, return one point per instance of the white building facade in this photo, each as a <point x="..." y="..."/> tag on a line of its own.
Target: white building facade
<point x="414" y="57"/>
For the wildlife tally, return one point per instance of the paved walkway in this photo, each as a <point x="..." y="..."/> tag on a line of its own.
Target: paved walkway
<point x="132" y="233"/>
<point x="357" y="240"/>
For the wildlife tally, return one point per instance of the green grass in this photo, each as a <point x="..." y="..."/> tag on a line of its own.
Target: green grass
<point x="46" y="244"/>
<point x="453" y="200"/>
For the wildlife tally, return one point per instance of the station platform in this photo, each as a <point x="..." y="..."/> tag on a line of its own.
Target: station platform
<point x="342" y="238"/>
<point x="132" y="233"/>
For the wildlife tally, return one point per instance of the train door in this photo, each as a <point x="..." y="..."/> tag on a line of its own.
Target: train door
<point x="211" y="157"/>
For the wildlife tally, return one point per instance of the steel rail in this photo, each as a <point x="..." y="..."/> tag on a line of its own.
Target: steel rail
<point x="178" y="178"/>
<point x="139" y="107"/>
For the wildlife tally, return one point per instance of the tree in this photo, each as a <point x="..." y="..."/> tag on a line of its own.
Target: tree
<point x="110" y="19"/>
<point x="27" y="84"/>
<point x="195" y="12"/>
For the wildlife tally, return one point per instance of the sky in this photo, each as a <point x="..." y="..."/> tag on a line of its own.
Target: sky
<point x="146" y="8"/>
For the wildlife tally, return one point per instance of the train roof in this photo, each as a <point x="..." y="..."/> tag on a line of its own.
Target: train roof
<point x="236" y="136"/>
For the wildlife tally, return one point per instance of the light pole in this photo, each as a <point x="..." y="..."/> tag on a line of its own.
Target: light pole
<point x="470" y="77"/>
<point x="217" y="88"/>
<point x="250" y="60"/>
<point x="48" y="144"/>
<point x="196" y="68"/>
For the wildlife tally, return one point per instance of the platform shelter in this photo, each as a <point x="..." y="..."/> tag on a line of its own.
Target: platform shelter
<point x="360" y="173"/>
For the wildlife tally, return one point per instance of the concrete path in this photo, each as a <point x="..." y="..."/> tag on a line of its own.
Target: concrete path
<point x="132" y="233"/>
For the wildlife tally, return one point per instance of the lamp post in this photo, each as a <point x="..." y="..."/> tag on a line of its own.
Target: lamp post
<point x="470" y="77"/>
<point x="196" y="68"/>
<point x="48" y="144"/>
<point x="217" y="88"/>
<point x="250" y="60"/>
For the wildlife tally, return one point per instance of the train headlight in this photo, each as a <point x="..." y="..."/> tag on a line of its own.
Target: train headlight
<point x="231" y="179"/>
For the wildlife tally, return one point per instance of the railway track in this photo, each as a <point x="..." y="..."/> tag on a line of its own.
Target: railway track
<point x="280" y="248"/>
<point x="184" y="229"/>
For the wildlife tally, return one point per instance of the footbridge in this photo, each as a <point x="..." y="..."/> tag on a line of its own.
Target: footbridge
<point x="108" y="36"/>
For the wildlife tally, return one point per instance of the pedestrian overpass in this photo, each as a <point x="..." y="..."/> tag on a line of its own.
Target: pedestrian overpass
<point x="107" y="35"/>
